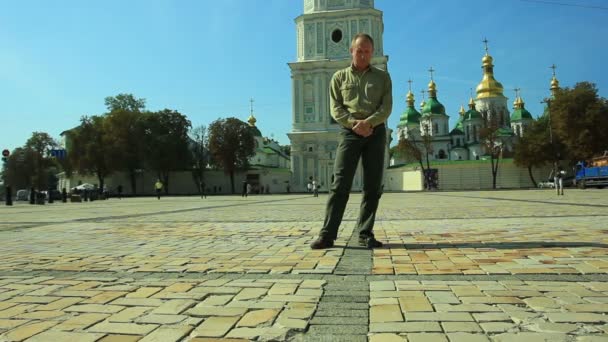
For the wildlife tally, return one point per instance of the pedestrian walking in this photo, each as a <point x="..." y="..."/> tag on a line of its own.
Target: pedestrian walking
<point x="315" y="189"/>
<point x="360" y="101"/>
<point x="158" y="186"/>
<point x="244" y="191"/>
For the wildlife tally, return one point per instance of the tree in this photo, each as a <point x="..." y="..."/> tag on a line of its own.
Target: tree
<point x="199" y="149"/>
<point x="20" y="168"/>
<point x="418" y="147"/>
<point x="125" y="141"/>
<point x="493" y="137"/>
<point x="534" y="148"/>
<point x="126" y="102"/>
<point x="90" y="151"/>
<point x="579" y="118"/>
<point x="40" y="145"/>
<point x="231" y="144"/>
<point x="166" y="143"/>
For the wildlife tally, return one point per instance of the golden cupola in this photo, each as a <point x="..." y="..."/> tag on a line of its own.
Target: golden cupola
<point x="489" y="86"/>
<point x="554" y="81"/>
<point x="252" y="120"/>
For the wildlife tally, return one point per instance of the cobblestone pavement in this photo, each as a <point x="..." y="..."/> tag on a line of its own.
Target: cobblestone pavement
<point x="456" y="266"/>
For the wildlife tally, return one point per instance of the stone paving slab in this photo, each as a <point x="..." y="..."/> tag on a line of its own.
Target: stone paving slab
<point x="456" y="266"/>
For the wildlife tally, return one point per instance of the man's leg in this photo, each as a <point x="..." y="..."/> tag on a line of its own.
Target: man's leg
<point x="372" y="158"/>
<point x="345" y="166"/>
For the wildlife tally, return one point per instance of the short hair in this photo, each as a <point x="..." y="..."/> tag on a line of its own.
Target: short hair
<point x="362" y="35"/>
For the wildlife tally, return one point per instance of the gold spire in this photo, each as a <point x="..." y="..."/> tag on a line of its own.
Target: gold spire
<point x="410" y="95"/>
<point x="489" y="86"/>
<point x="461" y="111"/>
<point x="251" y="119"/>
<point x="471" y="103"/>
<point x="432" y="86"/>
<point x="516" y="102"/>
<point x="423" y="102"/>
<point x="554" y="81"/>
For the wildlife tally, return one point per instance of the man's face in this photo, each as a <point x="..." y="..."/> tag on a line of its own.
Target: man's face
<point x="361" y="53"/>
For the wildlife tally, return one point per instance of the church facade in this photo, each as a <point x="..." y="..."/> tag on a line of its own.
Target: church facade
<point x="324" y="34"/>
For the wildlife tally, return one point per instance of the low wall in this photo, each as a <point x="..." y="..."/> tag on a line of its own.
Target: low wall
<point x="465" y="175"/>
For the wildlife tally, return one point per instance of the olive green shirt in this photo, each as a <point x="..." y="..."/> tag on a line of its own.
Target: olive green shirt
<point x="361" y="95"/>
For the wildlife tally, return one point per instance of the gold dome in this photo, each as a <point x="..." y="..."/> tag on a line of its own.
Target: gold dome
<point x="251" y="120"/>
<point x="554" y="83"/>
<point x="432" y="89"/>
<point x="471" y="103"/>
<point x="489" y="86"/>
<point x="410" y="99"/>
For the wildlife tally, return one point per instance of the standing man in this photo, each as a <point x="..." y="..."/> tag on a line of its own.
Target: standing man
<point x="315" y="189"/>
<point x="558" y="180"/>
<point x="159" y="187"/>
<point x="360" y="101"/>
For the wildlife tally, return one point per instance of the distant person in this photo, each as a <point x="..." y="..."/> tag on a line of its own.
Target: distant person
<point x="203" y="192"/>
<point x="559" y="180"/>
<point x="249" y="188"/>
<point x="244" y="190"/>
<point x="119" y="191"/>
<point x="64" y="195"/>
<point x="158" y="186"/>
<point x="360" y="102"/>
<point x="309" y="187"/>
<point x="315" y="189"/>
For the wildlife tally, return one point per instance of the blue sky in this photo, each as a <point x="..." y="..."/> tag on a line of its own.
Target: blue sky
<point x="60" y="59"/>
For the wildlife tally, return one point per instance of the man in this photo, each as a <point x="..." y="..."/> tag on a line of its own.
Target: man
<point x="360" y="101"/>
<point x="159" y="187"/>
<point x="559" y="180"/>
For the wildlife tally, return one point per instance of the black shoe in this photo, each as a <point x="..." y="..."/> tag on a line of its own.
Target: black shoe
<point x="322" y="243"/>
<point x="370" y="242"/>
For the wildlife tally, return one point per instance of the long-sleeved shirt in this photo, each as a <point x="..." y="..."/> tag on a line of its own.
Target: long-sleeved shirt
<point x="361" y="95"/>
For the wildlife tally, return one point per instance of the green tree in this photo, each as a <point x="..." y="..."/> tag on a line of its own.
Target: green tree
<point x="199" y="149"/>
<point x="579" y="118"/>
<point x="231" y="144"/>
<point x="125" y="141"/>
<point x="166" y="143"/>
<point x="126" y="102"/>
<point x="534" y="148"/>
<point x="20" y="169"/>
<point x="90" y="151"/>
<point x="493" y="137"/>
<point x="40" y="145"/>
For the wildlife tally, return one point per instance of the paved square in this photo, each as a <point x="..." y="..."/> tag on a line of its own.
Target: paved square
<point x="456" y="266"/>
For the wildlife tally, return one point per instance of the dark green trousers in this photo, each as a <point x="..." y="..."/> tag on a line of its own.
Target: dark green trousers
<point x="351" y="148"/>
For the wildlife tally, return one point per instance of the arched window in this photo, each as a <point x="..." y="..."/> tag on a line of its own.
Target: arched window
<point x="442" y="154"/>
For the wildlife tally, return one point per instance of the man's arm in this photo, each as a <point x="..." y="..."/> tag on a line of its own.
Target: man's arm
<point x="336" y="103"/>
<point x="386" y="104"/>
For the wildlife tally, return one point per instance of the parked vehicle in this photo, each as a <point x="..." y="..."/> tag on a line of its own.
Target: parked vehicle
<point x="22" y="195"/>
<point x="593" y="173"/>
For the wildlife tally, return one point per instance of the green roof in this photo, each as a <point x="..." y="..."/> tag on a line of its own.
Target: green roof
<point x="433" y="106"/>
<point x="409" y="116"/>
<point x="458" y="130"/>
<point x="472" y="114"/>
<point x="504" y="132"/>
<point x="521" y="114"/>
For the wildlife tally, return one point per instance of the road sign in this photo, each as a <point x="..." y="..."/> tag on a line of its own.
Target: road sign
<point x="6" y="153"/>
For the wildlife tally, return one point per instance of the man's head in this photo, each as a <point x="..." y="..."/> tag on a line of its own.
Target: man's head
<point x="361" y="50"/>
